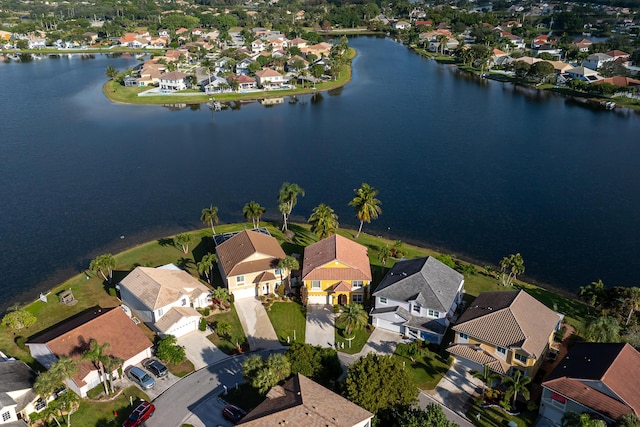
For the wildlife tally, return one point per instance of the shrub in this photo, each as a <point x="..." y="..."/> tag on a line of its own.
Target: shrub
<point x="19" y="319"/>
<point x="203" y="324"/>
<point x="206" y="311"/>
<point x="112" y="292"/>
<point x="169" y="351"/>
<point x="280" y="290"/>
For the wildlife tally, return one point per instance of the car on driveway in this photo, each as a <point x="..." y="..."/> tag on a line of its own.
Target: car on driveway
<point x="139" y="415"/>
<point x="233" y="413"/>
<point x="156" y="368"/>
<point x="140" y="377"/>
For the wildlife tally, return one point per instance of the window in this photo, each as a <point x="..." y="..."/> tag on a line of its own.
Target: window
<point x="6" y="416"/>
<point x="521" y="358"/>
<point x="416" y="308"/>
<point x="239" y="280"/>
<point x="279" y="272"/>
<point x="315" y="284"/>
<point x="357" y="284"/>
<point x="463" y="335"/>
<point x="160" y="312"/>
<point x="357" y="298"/>
<point x="383" y="300"/>
<point x="501" y="351"/>
<point x="434" y="313"/>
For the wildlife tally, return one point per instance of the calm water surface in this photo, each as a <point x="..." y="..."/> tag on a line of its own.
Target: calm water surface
<point x="475" y="167"/>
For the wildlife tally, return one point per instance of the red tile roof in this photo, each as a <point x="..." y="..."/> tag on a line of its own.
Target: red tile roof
<point x="336" y="249"/>
<point x="233" y="253"/>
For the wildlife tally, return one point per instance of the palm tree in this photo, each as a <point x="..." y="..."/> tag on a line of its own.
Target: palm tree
<point x="383" y="253"/>
<point x="111" y="72"/>
<point x="366" y="205"/>
<point x="323" y="220"/>
<point x="280" y="366"/>
<point x="111" y="364"/>
<point x="353" y="317"/>
<point x="603" y="329"/>
<point x="254" y="212"/>
<point x="103" y="264"/>
<point x="288" y="263"/>
<point x="288" y="195"/>
<point x="593" y="293"/>
<point x="210" y="216"/>
<point x="511" y="266"/>
<point x="264" y="380"/>
<point x="206" y="264"/>
<point x="517" y="385"/>
<point x="633" y="300"/>
<point x="487" y="376"/>
<point x="97" y="355"/>
<point x="222" y="296"/>
<point x="184" y="240"/>
<point x="573" y="419"/>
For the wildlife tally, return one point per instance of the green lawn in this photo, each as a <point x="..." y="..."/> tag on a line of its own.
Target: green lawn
<point x="228" y="345"/>
<point x="100" y="414"/>
<point x="360" y="339"/>
<point x="182" y="369"/>
<point x="427" y="368"/>
<point x="496" y="417"/>
<point x="287" y="317"/>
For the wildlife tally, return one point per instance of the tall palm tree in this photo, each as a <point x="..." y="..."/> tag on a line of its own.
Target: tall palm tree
<point x="210" y="216"/>
<point x="593" y="293"/>
<point x="280" y="365"/>
<point x="288" y="195"/>
<point x="206" y="264"/>
<point x="383" y="254"/>
<point x="96" y="354"/>
<point x="104" y="265"/>
<point x="323" y="220"/>
<point x="353" y="317"/>
<point x="366" y="205"/>
<point x="110" y="365"/>
<point x="254" y="212"/>
<point x="288" y="263"/>
<point x="633" y="300"/>
<point x="222" y="295"/>
<point x="511" y="266"/>
<point x="603" y="329"/>
<point x="184" y="240"/>
<point x="517" y="385"/>
<point x="111" y="72"/>
<point x="487" y="376"/>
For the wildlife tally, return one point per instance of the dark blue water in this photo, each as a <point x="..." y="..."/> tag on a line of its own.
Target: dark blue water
<point x="475" y="167"/>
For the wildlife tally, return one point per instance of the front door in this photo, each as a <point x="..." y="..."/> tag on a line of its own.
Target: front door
<point x="265" y="289"/>
<point x="342" y="299"/>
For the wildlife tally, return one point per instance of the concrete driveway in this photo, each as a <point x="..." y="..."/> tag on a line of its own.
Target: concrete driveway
<point x="456" y="389"/>
<point x="320" y="328"/>
<point x="256" y="324"/>
<point x="200" y="351"/>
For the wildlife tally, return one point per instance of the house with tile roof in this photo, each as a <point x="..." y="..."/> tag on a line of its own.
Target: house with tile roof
<point x="269" y="79"/>
<point x="336" y="270"/>
<point x="302" y="402"/>
<point x="173" y="81"/>
<point x="418" y="298"/>
<point x="164" y="298"/>
<point x="602" y="379"/>
<point x="507" y="331"/>
<point x="17" y="398"/>
<point x="72" y="338"/>
<point x="248" y="264"/>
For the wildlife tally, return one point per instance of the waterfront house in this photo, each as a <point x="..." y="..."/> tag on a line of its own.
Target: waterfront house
<point x="319" y="50"/>
<point x="401" y="25"/>
<point x="600" y="379"/>
<point x="150" y="73"/>
<point x="164" y="298"/>
<point x="173" y="81"/>
<point x="17" y="397"/>
<point x="303" y="402"/>
<point x="620" y="81"/>
<point x="596" y="60"/>
<point x="585" y="74"/>
<point x="508" y="331"/>
<point x="418" y="298"/>
<point x="72" y="338"/>
<point x="268" y="78"/>
<point x="295" y="60"/>
<point x="214" y="85"/>
<point x="248" y="262"/>
<point x="244" y="82"/>
<point x="336" y="270"/>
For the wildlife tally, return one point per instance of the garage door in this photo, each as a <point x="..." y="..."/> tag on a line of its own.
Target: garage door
<point x="319" y="299"/>
<point x="389" y="326"/>
<point x="181" y="329"/>
<point x="244" y="293"/>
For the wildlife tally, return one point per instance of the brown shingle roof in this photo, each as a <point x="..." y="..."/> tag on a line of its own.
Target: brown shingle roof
<point x="104" y="325"/>
<point x="263" y="250"/>
<point x="158" y="287"/>
<point x="302" y="402"/>
<point x="509" y="319"/>
<point x="336" y="249"/>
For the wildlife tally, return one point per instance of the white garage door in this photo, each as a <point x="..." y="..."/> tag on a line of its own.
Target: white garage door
<point x="389" y="326"/>
<point x="319" y="299"/>
<point x="180" y="329"/>
<point x="244" y="293"/>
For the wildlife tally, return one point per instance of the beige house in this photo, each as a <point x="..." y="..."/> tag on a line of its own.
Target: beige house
<point x="165" y="298"/>
<point x="302" y="402"/>
<point x="507" y="331"/>
<point x="248" y="263"/>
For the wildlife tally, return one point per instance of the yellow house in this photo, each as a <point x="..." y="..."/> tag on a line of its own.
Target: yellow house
<point x="507" y="331"/>
<point x="336" y="270"/>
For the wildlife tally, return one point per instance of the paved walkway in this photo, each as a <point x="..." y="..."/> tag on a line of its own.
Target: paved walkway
<point x="256" y="324"/>
<point x="200" y="351"/>
<point x="320" y="328"/>
<point x="456" y="389"/>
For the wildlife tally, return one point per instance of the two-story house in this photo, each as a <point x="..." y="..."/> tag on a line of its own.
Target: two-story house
<point x="601" y="379"/>
<point x="269" y="79"/>
<point x="336" y="270"/>
<point x="17" y="398"/>
<point x="248" y="262"/>
<point x="165" y="298"/>
<point x="73" y="337"/>
<point x="418" y="298"/>
<point x="173" y="81"/>
<point x="303" y="402"/>
<point x="507" y="331"/>
<point x="597" y="60"/>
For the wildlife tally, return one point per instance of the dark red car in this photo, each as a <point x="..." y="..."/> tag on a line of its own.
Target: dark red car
<point x="233" y="413"/>
<point x="139" y="415"/>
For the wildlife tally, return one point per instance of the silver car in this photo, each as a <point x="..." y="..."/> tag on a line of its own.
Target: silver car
<point x="139" y="376"/>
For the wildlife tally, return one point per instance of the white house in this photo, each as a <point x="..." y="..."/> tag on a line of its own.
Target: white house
<point x="17" y="398"/>
<point x="269" y="79"/>
<point x="165" y="298"/>
<point x="173" y="81"/>
<point x="72" y="338"/>
<point x="418" y="298"/>
<point x="257" y="46"/>
<point x="585" y="74"/>
<point x="401" y="25"/>
<point x="596" y="60"/>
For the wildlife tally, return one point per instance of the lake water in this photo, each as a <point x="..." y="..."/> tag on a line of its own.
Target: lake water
<point x="478" y="168"/>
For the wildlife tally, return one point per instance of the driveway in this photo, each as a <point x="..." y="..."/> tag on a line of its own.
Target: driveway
<point x="320" y="328"/>
<point x="380" y="341"/>
<point x="456" y="389"/>
<point x="200" y="351"/>
<point x="256" y="324"/>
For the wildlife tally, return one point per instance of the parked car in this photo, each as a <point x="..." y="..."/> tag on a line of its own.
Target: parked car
<point x="139" y="376"/>
<point x="139" y="415"/>
<point x="156" y="368"/>
<point x="233" y="413"/>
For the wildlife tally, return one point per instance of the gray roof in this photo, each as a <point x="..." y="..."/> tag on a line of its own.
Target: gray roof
<point x="16" y="375"/>
<point x="392" y="314"/>
<point x="425" y="280"/>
